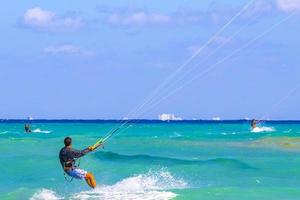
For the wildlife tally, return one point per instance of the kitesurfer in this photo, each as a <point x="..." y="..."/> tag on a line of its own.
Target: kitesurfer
<point x="67" y="156"/>
<point x="253" y="124"/>
<point x="27" y="128"/>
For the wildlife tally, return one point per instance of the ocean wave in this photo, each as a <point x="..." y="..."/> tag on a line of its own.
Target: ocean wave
<point x="262" y="129"/>
<point x="288" y="131"/>
<point x="166" y="161"/>
<point x="149" y="186"/>
<point x="40" y="131"/>
<point x="3" y="132"/>
<point x="45" y="194"/>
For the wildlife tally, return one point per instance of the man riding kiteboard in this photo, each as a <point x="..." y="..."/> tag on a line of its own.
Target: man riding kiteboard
<point x="68" y="156"/>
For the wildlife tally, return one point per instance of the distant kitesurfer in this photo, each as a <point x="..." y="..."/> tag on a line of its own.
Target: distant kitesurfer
<point x="67" y="156"/>
<point x="253" y="124"/>
<point x="27" y="128"/>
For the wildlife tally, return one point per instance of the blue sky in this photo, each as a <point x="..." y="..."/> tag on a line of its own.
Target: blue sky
<point x="92" y="59"/>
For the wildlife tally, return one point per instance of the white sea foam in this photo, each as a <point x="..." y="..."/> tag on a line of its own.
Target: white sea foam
<point x="40" y="131"/>
<point x="149" y="186"/>
<point x="108" y="195"/>
<point x="45" y="194"/>
<point x="262" y="129"/>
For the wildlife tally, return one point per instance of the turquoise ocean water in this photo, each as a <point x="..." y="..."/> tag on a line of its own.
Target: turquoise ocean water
<point x="151" y="160"/>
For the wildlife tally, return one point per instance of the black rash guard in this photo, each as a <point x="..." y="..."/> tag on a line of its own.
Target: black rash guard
<point x="67" y="156"/>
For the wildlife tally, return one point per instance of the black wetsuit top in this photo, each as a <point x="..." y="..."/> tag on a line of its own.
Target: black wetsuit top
<point x="27" y="128"/>
<point x="67" y="156"/>
<point x="253" y="123"/>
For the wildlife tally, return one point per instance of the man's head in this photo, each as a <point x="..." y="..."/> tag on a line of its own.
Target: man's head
<point x="68" y="141"/>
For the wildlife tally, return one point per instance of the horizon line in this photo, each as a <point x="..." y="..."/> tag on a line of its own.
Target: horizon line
<point x="158" y="120"/>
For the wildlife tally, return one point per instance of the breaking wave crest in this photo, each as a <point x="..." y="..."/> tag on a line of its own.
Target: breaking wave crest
<point x="262" y="129"/>
<point x="40" y="131"/>
<point x="149" y="186"/>
<point x="45" y="194"/>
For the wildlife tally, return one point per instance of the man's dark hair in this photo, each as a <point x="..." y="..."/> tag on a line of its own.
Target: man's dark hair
<point x="68" y="141"/>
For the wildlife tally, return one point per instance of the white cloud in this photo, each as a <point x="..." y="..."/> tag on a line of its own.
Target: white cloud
<point x="44" y="20"/>
<point x="67" y="49"/>
<point x="38" y="17"/>
<point x="219" y="14"/>
<point x="288" y="5"/>
<point x="139" y="18"/>
<point x="258" y="7"/>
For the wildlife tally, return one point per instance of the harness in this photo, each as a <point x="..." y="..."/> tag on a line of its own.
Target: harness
<point x="73" y="165"/>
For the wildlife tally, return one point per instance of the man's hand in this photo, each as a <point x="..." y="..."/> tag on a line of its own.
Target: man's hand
<point x="92" y="148"/>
